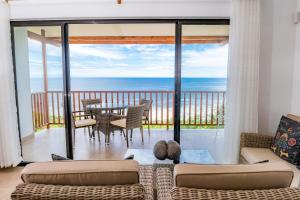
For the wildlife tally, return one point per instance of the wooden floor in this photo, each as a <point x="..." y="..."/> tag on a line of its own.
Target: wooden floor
<point x="51" y="141"/>
<point x="9" y="179"/>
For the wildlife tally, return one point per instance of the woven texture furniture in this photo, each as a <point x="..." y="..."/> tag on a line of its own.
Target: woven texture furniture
<point x="144" y="190"/>
<point x="167" y="191"/>
<point x="132" y="120"/>
<point x="148" y="105"/>
<point x="164" y="183"/>
<point x="255" y="140"/>
<point x="82" y="120"/>
<point x="56" y="192"/>
<point x="179" y="193"/>
<point x="103" y="124"/>
<point x="86" y="102"/>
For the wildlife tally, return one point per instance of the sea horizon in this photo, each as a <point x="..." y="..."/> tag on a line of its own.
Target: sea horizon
<point x="130" y="84"/>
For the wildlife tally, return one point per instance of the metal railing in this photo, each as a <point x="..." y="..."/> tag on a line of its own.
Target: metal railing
<point x="198" y="108"/>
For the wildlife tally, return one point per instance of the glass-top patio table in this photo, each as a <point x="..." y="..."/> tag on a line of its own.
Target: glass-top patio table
<point x="105" y="113"/>
<point x="106" y="108"/>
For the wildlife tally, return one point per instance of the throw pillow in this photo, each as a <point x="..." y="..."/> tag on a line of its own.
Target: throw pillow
<point x="57" y="157"/>
<point x="286" y="143"/>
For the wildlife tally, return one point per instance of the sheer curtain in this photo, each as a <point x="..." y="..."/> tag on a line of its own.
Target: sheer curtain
<point x="243" y="67"/>
<point x="9" y="139"/>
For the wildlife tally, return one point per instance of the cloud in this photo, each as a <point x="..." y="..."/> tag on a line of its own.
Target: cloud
<point x="209" y="57"/>
<point x="96" y="51"/>
<point x="157" y="60"/>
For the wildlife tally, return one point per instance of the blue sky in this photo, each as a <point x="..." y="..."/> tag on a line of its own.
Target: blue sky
<point x="198" y="60"/>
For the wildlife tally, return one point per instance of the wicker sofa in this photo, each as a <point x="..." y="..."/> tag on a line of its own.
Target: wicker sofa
<point x="255" y="147"/>
<point x="78" y="180"/>
<point x="168" y="187"/>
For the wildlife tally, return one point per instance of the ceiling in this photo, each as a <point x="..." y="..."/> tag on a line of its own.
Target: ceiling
<point x="132" y="34"/>
<point x="134" y="30"/>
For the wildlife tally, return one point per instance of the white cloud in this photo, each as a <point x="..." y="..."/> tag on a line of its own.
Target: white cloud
<point x="211" y="62"/>
<point x="211" y="57"/>
<point x="88" y="50"/>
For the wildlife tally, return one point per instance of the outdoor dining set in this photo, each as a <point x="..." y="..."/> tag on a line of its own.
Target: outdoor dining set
<point x="107" y="118"/>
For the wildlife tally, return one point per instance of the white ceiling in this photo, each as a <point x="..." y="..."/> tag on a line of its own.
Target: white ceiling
<point x="135" y="30"/>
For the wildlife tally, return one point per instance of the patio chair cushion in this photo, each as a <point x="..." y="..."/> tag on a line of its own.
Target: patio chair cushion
<point x="84" y="123"/>
<point x="233" y="177"/>
<point x="82" y="173"/>
<point x="119" y="123"/>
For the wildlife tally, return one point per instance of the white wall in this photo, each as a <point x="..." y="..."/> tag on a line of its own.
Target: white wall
<point x="296" y="84"/>
<point x="23" y="81"/>
<point x="278" y="36"/>
<point x="74" y="9"/>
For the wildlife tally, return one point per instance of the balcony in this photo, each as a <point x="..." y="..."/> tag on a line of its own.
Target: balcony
<point x="199" y="109"/>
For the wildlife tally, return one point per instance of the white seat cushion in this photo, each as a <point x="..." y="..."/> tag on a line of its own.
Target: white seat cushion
<point x="119" y="123"/>
<point x="254" y="155"/>
<point x="84" y="122"/>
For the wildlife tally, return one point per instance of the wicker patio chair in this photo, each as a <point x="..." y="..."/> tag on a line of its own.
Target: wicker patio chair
<point x="81" y="120"/>
<point x="146" y="118"/>
<point x="85" y="103"/>
<point x="133" y="119"/>
<point x="103" y="124"/>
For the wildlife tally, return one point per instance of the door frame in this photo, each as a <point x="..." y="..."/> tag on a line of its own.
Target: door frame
<point x="64" y="24"/>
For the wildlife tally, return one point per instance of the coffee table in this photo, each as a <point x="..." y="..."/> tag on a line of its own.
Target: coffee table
<point x="146" y="157"/>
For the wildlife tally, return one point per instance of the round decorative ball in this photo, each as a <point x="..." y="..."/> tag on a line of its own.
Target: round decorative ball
<point x="160" y="150"/>
<point x="174" y="150"/>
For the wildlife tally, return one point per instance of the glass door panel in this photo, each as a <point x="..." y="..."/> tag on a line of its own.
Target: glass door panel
<point x="39" y="81"/>
<point x="118" y="65"/>
<point x="203" y="86"/>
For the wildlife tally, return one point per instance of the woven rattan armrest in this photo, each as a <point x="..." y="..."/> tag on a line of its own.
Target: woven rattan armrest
<point x="58" y="192"/>
<point x="180" y="193"/>
<point x="164" y="183"/>
<point x="147" y="180"/>
<point x="255" y="140"/>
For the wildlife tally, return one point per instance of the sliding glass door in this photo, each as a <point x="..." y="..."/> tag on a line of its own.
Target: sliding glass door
<point x="39" y="83"/>
<point x="114" y="67"/>
<point x="204" y="54"/>
<point x="71" y="76"/>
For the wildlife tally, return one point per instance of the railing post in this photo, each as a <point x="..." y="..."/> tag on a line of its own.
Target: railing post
<point x="44" y="56"/>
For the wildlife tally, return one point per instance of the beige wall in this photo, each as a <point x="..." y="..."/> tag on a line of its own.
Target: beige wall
<point x="278" y="80"/>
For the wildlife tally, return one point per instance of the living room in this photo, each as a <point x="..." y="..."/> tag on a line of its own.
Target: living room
<point x="181" y="94"/>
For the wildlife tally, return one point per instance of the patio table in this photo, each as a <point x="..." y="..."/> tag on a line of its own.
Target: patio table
<point x="105" y="113"/>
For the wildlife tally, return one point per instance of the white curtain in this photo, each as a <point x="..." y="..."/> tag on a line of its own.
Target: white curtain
<point x="243" y="74"/>
<point x="9" y="139"/>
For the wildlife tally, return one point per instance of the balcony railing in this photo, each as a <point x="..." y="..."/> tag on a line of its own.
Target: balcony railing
<point x="198" y="108"/>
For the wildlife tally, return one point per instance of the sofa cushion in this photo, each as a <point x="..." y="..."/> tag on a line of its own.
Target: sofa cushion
<point x="287" y="140"/>
<point x="233" y="177"/>
<point x="82" y="173"/>
<point x="294" y="117"/>
<point x="255" y="155"/>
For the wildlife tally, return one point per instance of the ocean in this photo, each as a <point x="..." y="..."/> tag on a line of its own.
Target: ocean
<point x="131" y="84"/>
